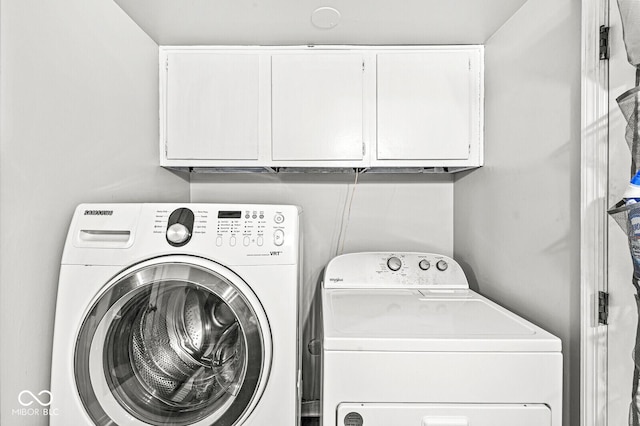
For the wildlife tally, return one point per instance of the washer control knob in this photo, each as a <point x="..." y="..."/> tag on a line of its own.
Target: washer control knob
<point x="278" y="237"/>
<point x="394" y="263"/>
<point x="179" y="227"/>
<point x="178" y="233"/>
<point x="442" y="265"/>
<point x="278" y="218"/>
<point x="424" y="264"/>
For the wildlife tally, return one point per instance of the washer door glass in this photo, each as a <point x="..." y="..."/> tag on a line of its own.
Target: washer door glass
<point x="172" y="343"/>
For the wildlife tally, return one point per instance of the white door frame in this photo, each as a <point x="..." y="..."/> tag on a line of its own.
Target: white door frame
<point x="593" y="207"/>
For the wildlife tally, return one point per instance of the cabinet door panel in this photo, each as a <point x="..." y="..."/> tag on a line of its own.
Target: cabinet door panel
<point x="212" y="106"/>
<point x="425" y="105"/>
<point x="317" y="107"/>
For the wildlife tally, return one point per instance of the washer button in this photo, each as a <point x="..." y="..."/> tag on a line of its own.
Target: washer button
<point x="219" y="241"/>
<point x="260" y="241"/>
<point x="278" y="218"/>
<point x="278" y="237"/>
<point x="232" y="241"/>
<point x="246" y="241"/>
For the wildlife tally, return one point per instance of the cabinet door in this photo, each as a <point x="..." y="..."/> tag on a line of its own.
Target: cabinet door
<point x="212" y="106"/>
<point x="316" y="106"/>
<point x="427" y="105"/>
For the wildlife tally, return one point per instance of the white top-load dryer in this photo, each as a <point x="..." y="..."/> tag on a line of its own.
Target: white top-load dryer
<point x="406" y="342"/>
<point x="178" y="314"/>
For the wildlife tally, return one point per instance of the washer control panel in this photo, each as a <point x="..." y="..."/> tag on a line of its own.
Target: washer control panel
<point x="231" y="228"/>
<point x="249" y="230"/>
<point x="395" y="270"/>
<point x="232" y="234"/>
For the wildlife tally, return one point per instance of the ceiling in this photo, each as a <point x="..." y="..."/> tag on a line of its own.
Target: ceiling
<point x="293" y="22"/>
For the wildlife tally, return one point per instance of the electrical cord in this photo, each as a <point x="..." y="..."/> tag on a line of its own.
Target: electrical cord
<point x="345" y="225"/>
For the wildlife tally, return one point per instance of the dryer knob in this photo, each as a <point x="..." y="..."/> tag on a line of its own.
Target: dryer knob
<point x="424" y="264"/>
<point x="394" y="263"/>
<point x="442" y="265"/>
<point x="178" y="233"/>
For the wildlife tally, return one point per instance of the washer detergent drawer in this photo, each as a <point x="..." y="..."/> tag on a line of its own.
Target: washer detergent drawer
<point x="412" y="414"/>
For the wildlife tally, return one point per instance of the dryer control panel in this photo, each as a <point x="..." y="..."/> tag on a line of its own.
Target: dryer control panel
<point x="395" y="270"/>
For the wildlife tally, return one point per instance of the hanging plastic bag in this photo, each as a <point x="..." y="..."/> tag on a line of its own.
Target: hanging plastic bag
<point x="627" y="211"/>
<point x="634" y="407"/>
<point x="629" y="103"/>
<point x="628" y="217"/>
<point x="627" y="214"/>
<point x="630" y="14"/>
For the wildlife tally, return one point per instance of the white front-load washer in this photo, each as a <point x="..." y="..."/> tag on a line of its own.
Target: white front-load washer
<point x="174" y="314"/>
<point x="406" y="342"/>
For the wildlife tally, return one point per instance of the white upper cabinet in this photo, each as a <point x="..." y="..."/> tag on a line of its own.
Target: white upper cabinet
<point x="428" y="105"/>
<point x="211" y="106"/>
<point x="317" y="106"/>
<point x="329" y="107"/>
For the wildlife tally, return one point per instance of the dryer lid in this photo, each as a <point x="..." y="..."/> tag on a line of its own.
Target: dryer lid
<point x="422" y="320"/>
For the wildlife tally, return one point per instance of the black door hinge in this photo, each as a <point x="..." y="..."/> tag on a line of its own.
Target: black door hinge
<point x="604" y="42"/>
<point x="603" y="308"/>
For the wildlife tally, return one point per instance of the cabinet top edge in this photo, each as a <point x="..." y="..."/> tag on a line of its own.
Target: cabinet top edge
<point x="479" y="47"/>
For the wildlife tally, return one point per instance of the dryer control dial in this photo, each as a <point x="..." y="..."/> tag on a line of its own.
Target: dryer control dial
<point x="394" y="263"/>
<point x="442" y="265"/>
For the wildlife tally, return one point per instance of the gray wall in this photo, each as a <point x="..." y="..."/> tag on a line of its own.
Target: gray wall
<point x="78" y="102"/>
<point x="517" y="219"/>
